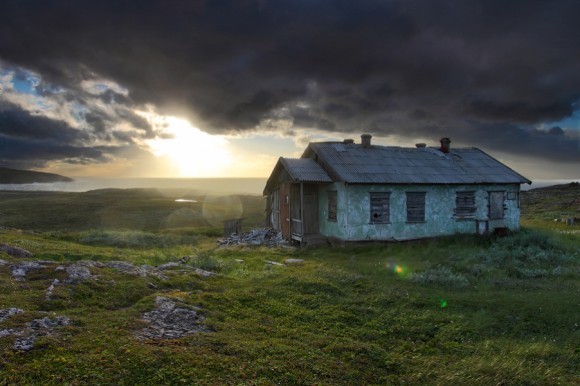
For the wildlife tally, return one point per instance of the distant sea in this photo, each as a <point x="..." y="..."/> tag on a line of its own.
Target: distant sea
<point x="217" y="186"/>
<point x="250" y="186"/>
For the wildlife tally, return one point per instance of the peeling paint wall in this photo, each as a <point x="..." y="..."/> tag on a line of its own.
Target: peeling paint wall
<point x="353" y="211"/>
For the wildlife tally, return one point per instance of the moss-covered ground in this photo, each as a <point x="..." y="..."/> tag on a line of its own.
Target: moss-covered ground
<point x="458" y="310"/>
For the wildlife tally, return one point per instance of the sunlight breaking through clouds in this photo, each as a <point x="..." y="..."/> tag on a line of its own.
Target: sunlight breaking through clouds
<point x="194" y="152"/>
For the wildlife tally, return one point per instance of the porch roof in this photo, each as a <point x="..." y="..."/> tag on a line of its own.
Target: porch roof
<point x="299" y="170"/>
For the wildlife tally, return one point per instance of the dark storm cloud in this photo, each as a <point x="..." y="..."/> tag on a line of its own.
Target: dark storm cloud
<point x="476" y="69"/>
<point x="18" y="123"/>
<point x="28" y="141"/>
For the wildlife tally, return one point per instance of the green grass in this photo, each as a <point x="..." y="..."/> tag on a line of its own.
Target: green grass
<point x="456" y="310"/>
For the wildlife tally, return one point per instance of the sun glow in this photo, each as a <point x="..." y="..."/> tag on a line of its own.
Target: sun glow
<point x="194" y="152"/>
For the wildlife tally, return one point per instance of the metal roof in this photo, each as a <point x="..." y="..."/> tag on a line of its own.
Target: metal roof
<point x="299" y="170"/>
<point x="353" y="163"/>
<point x="305" y="170"/>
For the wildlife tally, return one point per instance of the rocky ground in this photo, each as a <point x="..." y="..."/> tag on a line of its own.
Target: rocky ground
<point x="169" y="319"/>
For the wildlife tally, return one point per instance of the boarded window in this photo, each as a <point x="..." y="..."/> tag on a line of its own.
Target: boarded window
<point x="465" y="205"/>
<point x="380" y="207"/>
<point x="415" y="206"/>
<point x="332" y="205"/>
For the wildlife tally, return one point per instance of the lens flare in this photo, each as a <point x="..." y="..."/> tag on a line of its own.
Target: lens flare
<point x="443" y="303"/>
<point x="216" y="210"/>
<point x="397" y="269"/>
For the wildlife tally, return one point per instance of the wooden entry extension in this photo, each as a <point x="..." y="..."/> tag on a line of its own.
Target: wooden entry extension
<point x="303" y="211"/>
<point x="293" y="210"/>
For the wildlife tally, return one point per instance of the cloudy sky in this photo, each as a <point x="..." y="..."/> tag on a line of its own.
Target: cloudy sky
<point x="223" y="88"/>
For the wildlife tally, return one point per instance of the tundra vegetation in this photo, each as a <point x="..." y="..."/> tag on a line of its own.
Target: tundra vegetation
<point x="105" y="264"/>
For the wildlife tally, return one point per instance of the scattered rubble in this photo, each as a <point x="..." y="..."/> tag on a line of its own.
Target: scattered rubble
<point x="168" y="321"/>
<point x="80" y="270"/>
<point x="265" y="236"/>
<point x="77" y="272"/>
<point x="19" y="270"/>
<point x="48" y="293"/>
<point x="27" y="336"/>
<point x="131" y="269"/>
<point x="168" y="265"/>
<point x="8" y="312"/>
<point x="15" y="251"/>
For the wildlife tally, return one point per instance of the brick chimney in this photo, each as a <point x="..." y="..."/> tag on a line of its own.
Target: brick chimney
<point x="365" y="140"/>
<point x="445" y="145"/>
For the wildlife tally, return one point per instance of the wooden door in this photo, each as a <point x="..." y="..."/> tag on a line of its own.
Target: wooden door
<point x="310" y="209"/>
<point x="496" y="202"/>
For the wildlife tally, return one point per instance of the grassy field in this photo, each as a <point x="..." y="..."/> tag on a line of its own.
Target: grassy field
<point x="458" y="310"/>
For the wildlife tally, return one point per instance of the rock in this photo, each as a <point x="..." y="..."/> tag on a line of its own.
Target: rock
<point x="77" y="273"/>
<point x="168" y="321"/>
<point x="120" y="265"/>
<point x="25" y="343"/>
<point x="203" y="272"/>
<point x="49" y="290"/>
<point x="47" y="323"/>
<point x="274" y="263"/>
<point x="15" y="251"/>
<point x="19" y="270"/>
<point x="293" y="261"/>
<point x="3" y="262"/>
<point x="26" y="337"/>
<point x="6" y="332"/>
<point x="131" y="269"/>
<point x="168" y="265"/>
<point x="8" y="312"/>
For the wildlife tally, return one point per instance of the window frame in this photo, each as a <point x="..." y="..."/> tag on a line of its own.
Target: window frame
<point x="332" y="197"/>
<point x="383" y="213"/>
<point x="465" y="205"/>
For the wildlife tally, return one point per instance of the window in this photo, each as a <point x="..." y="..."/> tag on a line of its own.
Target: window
<point x="332" y="205"/>
<point x="380" y="207"/>
<point x="415" y="206"/>
<point x="465" y="205"/>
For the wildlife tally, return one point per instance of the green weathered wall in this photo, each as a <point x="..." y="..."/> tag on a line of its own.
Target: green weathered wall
<point x="353" y="217"/>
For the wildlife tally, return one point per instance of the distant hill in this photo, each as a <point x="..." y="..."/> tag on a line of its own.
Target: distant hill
<point x="557" y="201"/>
<point x="15" y="176"/>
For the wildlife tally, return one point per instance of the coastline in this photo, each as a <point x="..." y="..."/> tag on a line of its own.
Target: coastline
<point x="250" y="186"/>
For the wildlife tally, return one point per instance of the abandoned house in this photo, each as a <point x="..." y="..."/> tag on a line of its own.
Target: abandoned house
<point x="345" y="191"/>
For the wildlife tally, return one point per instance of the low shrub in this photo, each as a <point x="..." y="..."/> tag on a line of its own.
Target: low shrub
<point x="440" y="276"/>
<point x="525" y="248"/>
<point x="135" y="239"/>
<point x="206" y="261"/>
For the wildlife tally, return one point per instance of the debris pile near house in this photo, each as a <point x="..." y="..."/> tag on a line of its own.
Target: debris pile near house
<point x="265" y="236"/>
